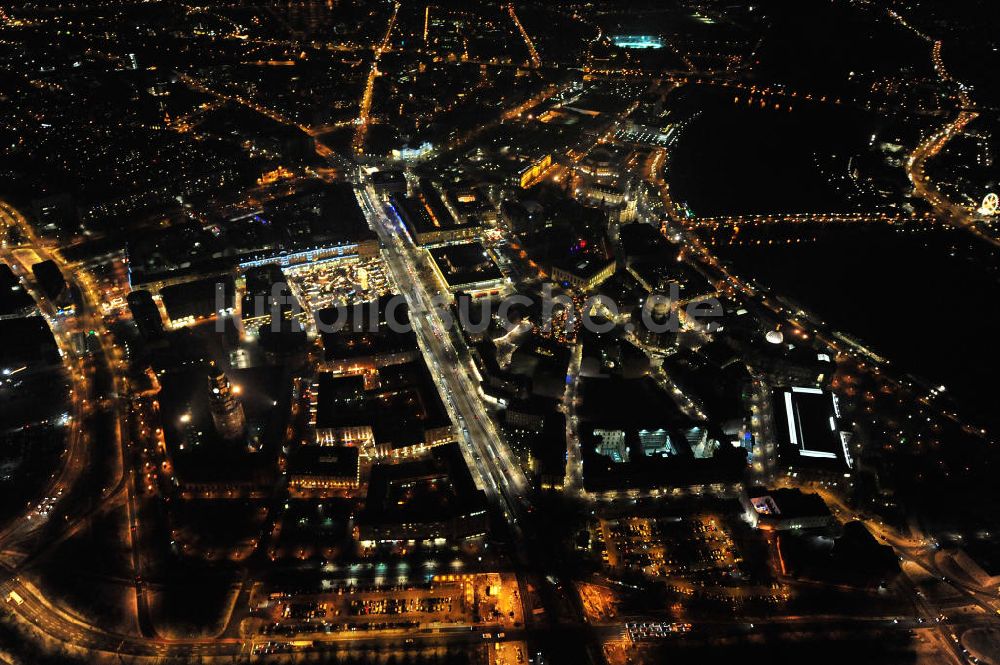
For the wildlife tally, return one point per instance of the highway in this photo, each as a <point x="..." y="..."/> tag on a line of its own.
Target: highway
<point x="365" y="103"/>
<point x="679" y="229"/>
<point x="77" y="457"/>
<point x="78" y="368"/>
<point x="536" y="61"/>
<point x="810" y="218"/>
<point x="934" y="143"/>
<point x="920" y="552"/>
<point x="490" y="459"/>
<point x="916" y="170"/>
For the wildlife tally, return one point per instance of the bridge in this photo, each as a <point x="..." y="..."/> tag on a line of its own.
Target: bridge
<point x="809" y="218"/>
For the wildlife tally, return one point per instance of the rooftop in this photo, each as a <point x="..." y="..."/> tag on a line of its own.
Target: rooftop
<point x="808" y="431"/>
<point x="465" y="264"/>
<point x="198" y="298"/>
<point x="787" y="503"/>
<point x="434" y="489"/>
<point x="401" y="406"/>
<point x="425" y="211"/>
<point x="333" y="461"/>
<point x="365" y="330"/>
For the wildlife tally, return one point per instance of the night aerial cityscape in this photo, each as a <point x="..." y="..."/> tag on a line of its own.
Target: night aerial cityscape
<point x="468" y="332"/>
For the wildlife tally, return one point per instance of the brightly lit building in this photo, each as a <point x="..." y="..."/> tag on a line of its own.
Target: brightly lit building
<point x="811" y="440"/>
<point x="637" y="41"/>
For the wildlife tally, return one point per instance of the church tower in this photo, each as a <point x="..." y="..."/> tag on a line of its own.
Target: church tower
<point x="227" y="411"/>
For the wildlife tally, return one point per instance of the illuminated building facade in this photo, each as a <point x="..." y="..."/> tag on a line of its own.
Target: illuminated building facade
<point x="533" y="171"/>
<point x="585" y="274"/>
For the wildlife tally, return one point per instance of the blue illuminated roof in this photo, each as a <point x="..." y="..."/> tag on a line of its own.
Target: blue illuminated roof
<point x="637" y="41"/>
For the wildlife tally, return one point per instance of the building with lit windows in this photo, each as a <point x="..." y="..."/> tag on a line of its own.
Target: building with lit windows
<point x="584" y="273"/>
<point x="351" y="410"/>
<point x="428" y="220"/>
<point x="430" y="499"/>
<point x="468" y="268"/>
<point x="533" y="170"/>
<point x="361" y="339"/>
<point x="192" y="302"/>
<point x="470" y="205"/>
<point x="314" y="470"/>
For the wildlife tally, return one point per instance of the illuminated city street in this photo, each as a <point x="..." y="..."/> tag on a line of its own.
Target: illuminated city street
<point x="499" y="333"/>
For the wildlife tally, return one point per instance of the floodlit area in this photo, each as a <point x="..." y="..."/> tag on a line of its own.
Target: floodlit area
<point x="600" y="602"/>
<point x="637" y="41"/>
<point x="669" y="547"/>
<point x="508" y="653"/>
<point x="490" y="600"/>
<point x="338" y="281"/>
